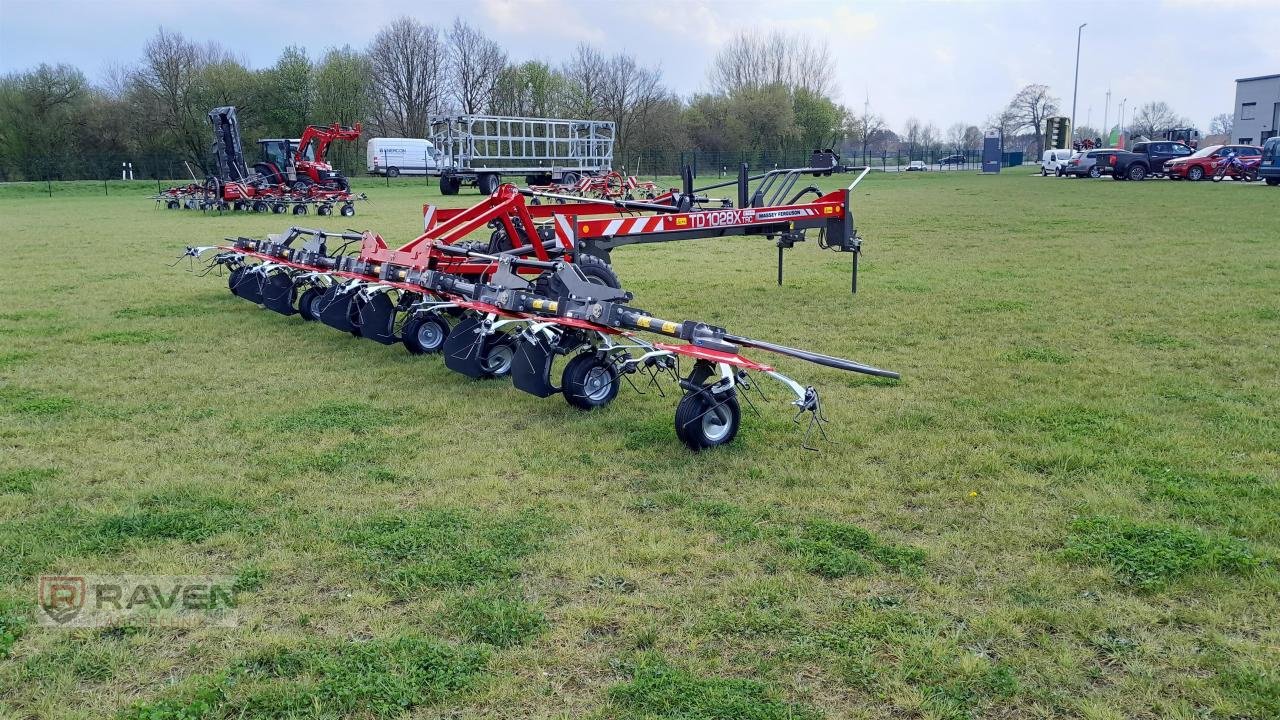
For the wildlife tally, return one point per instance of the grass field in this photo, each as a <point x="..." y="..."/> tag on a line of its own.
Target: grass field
<point x="1068" y="507"/>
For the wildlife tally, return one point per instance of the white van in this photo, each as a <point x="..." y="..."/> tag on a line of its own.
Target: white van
<point x="1055" y="161"/>
<point x="401" y="156"/>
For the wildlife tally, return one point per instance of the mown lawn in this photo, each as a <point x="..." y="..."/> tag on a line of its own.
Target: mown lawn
<point x="1069" y="506"/>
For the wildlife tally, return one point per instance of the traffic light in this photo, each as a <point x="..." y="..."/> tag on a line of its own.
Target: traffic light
<point x="1057" y="132"/>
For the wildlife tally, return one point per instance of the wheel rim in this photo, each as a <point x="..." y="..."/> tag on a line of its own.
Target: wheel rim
<point x="314" y="305"/>
<point x="429" y="335"/>
<point x="499" y="358"/>
<point x="597" y="384"/>
<point x="716" y="423"/>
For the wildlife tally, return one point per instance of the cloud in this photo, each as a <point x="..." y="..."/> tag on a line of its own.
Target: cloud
<point x="547" y="20"/>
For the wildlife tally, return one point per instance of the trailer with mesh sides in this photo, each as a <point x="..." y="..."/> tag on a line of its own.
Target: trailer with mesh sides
<point x="480" y="149"/>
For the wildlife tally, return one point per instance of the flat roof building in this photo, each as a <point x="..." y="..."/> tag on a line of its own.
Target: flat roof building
<point x="1257" y="111"/>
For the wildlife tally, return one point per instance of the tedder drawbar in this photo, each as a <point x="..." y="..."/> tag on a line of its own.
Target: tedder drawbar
<point x="541" y="288"/>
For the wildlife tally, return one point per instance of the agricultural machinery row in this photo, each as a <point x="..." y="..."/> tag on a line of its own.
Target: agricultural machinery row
<point x="292" y="175"/>
<point x="539" y="302"/>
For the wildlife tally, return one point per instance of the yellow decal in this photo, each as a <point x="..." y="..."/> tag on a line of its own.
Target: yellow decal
<point x="828" y="210"/>
<point x="643" y="322"/>
<point x="668" y="327"/>
<point x="537" y="304"/>
<point x="553" y="306"/>
<point x="682" y="221"/>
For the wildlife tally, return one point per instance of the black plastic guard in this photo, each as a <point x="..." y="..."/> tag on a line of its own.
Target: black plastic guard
<point x="249" y="286"/>
<point x="531" y="368"/>
<point x="464" y="347"/>
<point x="335" y="307"/>
<point x="278" y="293"/>
<point x="376" y="316"/>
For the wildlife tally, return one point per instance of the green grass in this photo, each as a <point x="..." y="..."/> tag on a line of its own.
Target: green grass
<point x="1066" y="508"/>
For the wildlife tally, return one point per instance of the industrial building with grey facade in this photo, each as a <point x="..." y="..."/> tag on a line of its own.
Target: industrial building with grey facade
<point x="1257" y="109"/>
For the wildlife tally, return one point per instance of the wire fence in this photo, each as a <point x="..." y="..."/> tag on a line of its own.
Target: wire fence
<point x="166" y="169"/>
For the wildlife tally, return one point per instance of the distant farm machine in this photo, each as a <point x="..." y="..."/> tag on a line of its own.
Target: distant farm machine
<point x="542" y="288"/>
<point x="292" y="175"/>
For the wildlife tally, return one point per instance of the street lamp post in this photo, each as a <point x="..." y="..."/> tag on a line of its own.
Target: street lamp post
<point x="1121" y="125"/>
<point x="1075" y="88"/>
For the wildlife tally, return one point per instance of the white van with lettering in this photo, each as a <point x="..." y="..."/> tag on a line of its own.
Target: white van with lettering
<point x="401" y="156"/>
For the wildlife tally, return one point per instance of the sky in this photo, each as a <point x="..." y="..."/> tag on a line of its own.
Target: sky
<point x="942" y="62"/>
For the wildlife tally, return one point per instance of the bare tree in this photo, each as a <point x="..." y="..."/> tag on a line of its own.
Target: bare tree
<point x="167" y="86"/>
<point x="584" y="82"/>
<point x="1154" y="118"/>
<point x="1029" y="108"/>
<point x="911" y="135"/>
<point x="864" y="128"/>
<point x="475" y="62"/>
<point x="751" y="61"/>
<point x="407" y="63"/>
<point x="1222" y="124"/>
<point x="929" y="136"/>
<point x="628" y="93"/>
<point x="955" y="136"/>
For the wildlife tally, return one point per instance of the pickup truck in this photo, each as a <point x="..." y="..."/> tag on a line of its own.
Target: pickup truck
<point x="1146" y="158"/>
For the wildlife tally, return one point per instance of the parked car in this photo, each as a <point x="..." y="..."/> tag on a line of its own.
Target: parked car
<point x="1201" y="164"/>
<point x="1055" y="161"/>
<point x="952" y="160"/>
<point x="917" y="166"/>
<point x="1269" y="170"/>
<point x="401" y="156"/>
<point x="1090" y="163"/>
<point x="1146" y="158"/>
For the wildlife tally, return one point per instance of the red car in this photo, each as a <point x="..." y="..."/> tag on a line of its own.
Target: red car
<point x="1201" y="164"/>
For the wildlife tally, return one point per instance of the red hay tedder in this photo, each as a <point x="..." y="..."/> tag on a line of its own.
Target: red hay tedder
<point x="542" y="288"/>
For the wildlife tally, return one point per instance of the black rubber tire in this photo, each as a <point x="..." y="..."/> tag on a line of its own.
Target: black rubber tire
<point x="259" y="206"/>
<point x="279" y="208"/>
<point x="703" y="423"/>
<point x="324" y="209"/>
<point x="487" y="183"/>
<point x="597" y="270"/>
<point x="435" y="329"/>
<point x="1137" y="173"/>
<point x="299" y="209"/>
<point x="449" y="184"/>
<point x="570" y="178"/>
<point x="1118" y="176"/>
<point x="393" y="172"/>
<point x="1044" y="172"/>
<point x="307" y="304"/>
<point x="497" y="354"/>
<point x="1094" y="172"/>
<point x="1273" y="181"/>
<point x="347" y="210"/>
<point x="1195" y="173"/>
<point x="172" y="205"/>
<point x="1061" y="172"/>
<point x="589" y="382"/>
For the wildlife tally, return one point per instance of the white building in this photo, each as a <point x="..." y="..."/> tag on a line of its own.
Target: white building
<point x="1257" y="109"/>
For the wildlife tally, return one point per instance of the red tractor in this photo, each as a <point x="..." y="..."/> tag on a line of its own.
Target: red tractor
<point x="300" y="164"/>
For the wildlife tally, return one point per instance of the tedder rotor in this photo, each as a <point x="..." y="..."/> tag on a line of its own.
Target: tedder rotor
<point x="541" y="289"/>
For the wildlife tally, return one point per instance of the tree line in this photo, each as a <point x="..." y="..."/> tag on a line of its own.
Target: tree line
<point x="767" y="92"/>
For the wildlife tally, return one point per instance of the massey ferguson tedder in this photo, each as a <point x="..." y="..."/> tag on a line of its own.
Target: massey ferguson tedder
<point x="541" y="288"/>
<point x="292" y="175"/>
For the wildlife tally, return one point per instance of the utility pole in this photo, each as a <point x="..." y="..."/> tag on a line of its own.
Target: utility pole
<point x="1121" y="125"/>
<point x="1106" y="115"/>
<point x="1075" y="88"/>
